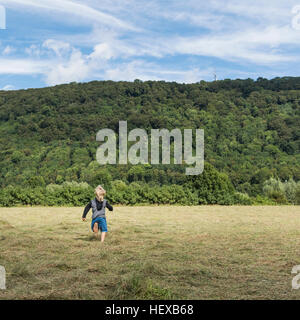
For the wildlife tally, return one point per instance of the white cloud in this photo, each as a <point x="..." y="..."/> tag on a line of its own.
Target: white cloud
<point x="206" y="20"/>
<point x="33" y="50"/>
<point x="256" y="46"/>
<point x="259" y="34"/>
<point x="101" y="64"/>
<point x="8" y="50"/>
<point x="8" y="87"/>
<point x="88" y="14"/>
<point x="102" y="51"/>
<point x="263" y="12"/>
<point x="22" y="66"/>
<point x="139" y="69"/>
<point x="59" y="47"/>
<point x="75" y="69"/>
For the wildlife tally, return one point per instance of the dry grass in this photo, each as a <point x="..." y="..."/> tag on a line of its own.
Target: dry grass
<point x="207" y="252"/>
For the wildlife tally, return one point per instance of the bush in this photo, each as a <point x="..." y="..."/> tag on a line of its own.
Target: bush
<point x="297" y="196"/>
<point x="243" y="199"/>
<point x="281" y="192"/>
<point x="69" y="193"/>
<point x="212" y="187"/>
<point x="278" y="197"/>
<point x="259" y="200"/>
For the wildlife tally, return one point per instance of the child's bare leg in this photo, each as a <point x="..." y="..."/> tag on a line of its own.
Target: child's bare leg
<point x="103" y="234"/>
<point x="95" y="230"/>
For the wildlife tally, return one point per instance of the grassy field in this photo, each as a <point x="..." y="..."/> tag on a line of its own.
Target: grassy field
<point x="207" y="252"/>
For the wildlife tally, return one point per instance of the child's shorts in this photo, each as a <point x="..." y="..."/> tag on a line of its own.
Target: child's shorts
<point x="101" y="224"/>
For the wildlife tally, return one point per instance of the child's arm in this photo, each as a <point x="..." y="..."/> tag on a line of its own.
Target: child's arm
<point x="109" y="207"/>
<point x="86" y="210"/>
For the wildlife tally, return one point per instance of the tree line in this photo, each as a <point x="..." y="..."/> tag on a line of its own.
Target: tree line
<point x="251" y="136"/>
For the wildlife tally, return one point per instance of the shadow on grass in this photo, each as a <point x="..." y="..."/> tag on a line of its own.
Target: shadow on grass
<point x="87" y="238"/>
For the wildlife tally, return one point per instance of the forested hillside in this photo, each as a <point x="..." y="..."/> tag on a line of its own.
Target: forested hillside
<point x="251" y="131"/>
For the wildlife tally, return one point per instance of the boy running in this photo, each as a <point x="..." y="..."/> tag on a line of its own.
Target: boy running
<point x="98" y="206"/>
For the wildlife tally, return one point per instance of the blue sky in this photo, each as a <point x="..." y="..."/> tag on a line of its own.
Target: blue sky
<point x="49" y="42"/>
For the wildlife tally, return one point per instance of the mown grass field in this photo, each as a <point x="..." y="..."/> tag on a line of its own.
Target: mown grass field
<point x="207" y="252"/>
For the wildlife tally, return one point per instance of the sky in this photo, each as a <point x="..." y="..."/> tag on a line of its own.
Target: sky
<point x="50" y="42"/>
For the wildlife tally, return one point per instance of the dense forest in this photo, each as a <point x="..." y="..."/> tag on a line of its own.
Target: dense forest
<point x="252" y="138"/>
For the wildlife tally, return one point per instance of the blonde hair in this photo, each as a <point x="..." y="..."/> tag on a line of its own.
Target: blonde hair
<point x="100" y="193"/>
